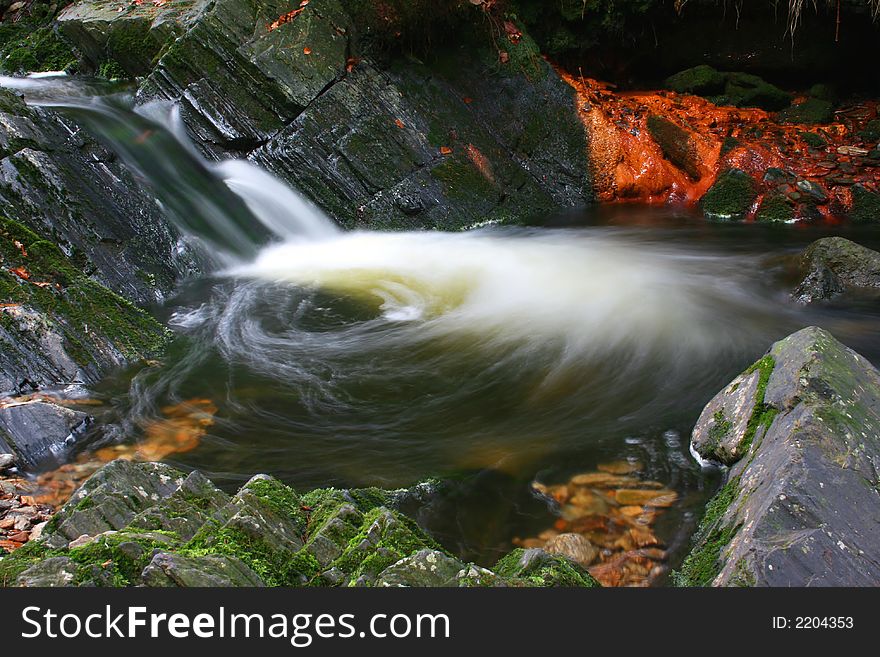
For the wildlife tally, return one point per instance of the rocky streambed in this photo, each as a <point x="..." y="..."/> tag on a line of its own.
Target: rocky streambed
<point x="344" y="102"/>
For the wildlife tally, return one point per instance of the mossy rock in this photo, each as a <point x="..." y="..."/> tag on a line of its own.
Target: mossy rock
<point x="535" y="567"/>
<point x="775" y="208"/>
<point x="746" y="90"/>
<point x="266" y="534"/>
<point x="702" y="80"/>
<point x="865" y="206"/>
<point x="813" y="139"/>
<point x="810" y="112"/>
<point x="731" y="197"/>
<point x="676" y="143"/>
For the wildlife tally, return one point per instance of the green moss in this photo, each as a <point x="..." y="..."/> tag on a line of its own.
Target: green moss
<point x="32" y="44"/>
<point x="865" y="206"/>
<point x="275" y="567"/>
<point x="729" y="144"/>
<point x="12" y="565"/>
<point x="813" y="139"/>
<point x="542" y="570"/>
<point x="731" y="197"/>
<point x="746" y="90"/>
<point x="104" y="562"/>
<point x="763" y="414"/>
<point x="702" y="565"/>
<point x="702" y="80"/>
<point x="84" y="311"/>
<point x="676" y="144"/>
<point x="775" y="208"/>
<point x="385" y="537"/>
<point x="112" y="70"/>
<point x="719" y="431"/>
<point x="811" y="111"/>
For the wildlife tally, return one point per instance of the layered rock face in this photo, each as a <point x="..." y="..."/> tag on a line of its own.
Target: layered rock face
<point x="80" y="241"/>
<point x="464" y="139"/>
<point x="148" y="524"/>
<point x="800" y="431"/>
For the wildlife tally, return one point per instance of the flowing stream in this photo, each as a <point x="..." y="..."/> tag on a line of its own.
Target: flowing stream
<point x="492" y="357"/>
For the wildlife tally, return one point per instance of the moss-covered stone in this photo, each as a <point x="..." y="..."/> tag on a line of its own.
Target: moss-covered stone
<point x="811" y="111"/>
<point x="92" y="320"/>
<point x="266" y="534"/>
<point x="534" y="567"/>
<point x="702" y="80"/>
<point x="31" y="43"/>
<point x="676" y="143"/>
<point x="865" y="206"/>
<point x="775" y="208"/>
<point x="731" y="197"/>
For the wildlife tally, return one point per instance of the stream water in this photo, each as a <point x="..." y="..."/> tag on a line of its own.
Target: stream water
<point x="493" y="357"/>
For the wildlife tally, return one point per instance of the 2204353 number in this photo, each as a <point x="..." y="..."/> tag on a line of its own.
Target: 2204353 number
<point x="823" y="622"/>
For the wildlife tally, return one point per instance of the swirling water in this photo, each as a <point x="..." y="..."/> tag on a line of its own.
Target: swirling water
<point x="491" y="357"/>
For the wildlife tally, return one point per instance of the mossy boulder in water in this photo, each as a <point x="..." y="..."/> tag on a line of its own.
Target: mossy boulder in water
<point x="729" y="88"/>
<point x="832" y="265"/>
<point x="148" y="524"/>
<point x="775" y="208"/>
<point x="800" y="503"/>
<point x="731" y="197"/>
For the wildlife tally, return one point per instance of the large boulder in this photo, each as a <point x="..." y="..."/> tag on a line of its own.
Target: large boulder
<point x="134" y="524"/>
<point x="801" y="434"/>
<point x="833" y="265"/>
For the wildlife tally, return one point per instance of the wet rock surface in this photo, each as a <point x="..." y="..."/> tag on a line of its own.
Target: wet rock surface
<point x="834" y="265"/>
<point x="40" y="433"/>
<point x="148" y="524"/>
<point x="445" y="143"/>
<point x="800" y="505"/>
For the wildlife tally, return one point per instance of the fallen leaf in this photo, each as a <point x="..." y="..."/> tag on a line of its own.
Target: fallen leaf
<point x="21" y="272"/>
<point x="445" y="150"/>
<point x="307" y="51"/>
<point x="503" y="56"/>
<point x="399" y="124"/>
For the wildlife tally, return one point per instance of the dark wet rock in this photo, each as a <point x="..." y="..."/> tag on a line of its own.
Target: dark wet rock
<point x="134" y="525"/>
<point x="833" y="265"/>
<point x="40" y="434"/>
<point x="57" y="181"/>
<point x="58" y="326"/>
<point x="813" y="190"/>
<point x="731" y="197"/>
<point x="166" y="569"/>
<point x="800" y="504"/>
<point x="7" y="461"/>
<point x="441" y="144"/>
<point x="425" y="568"/>
<point x="676" y="143"/>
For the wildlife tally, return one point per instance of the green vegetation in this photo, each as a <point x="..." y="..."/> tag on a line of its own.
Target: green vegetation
<point x="775" y="208"/>
<point x="31" y="43"/>
<point x="92" y="319"/>
<point x="865" y="205"/>
<point x="811" y="111"/>
<point x="731" y="197"/>
<point x="702" y="565"/>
